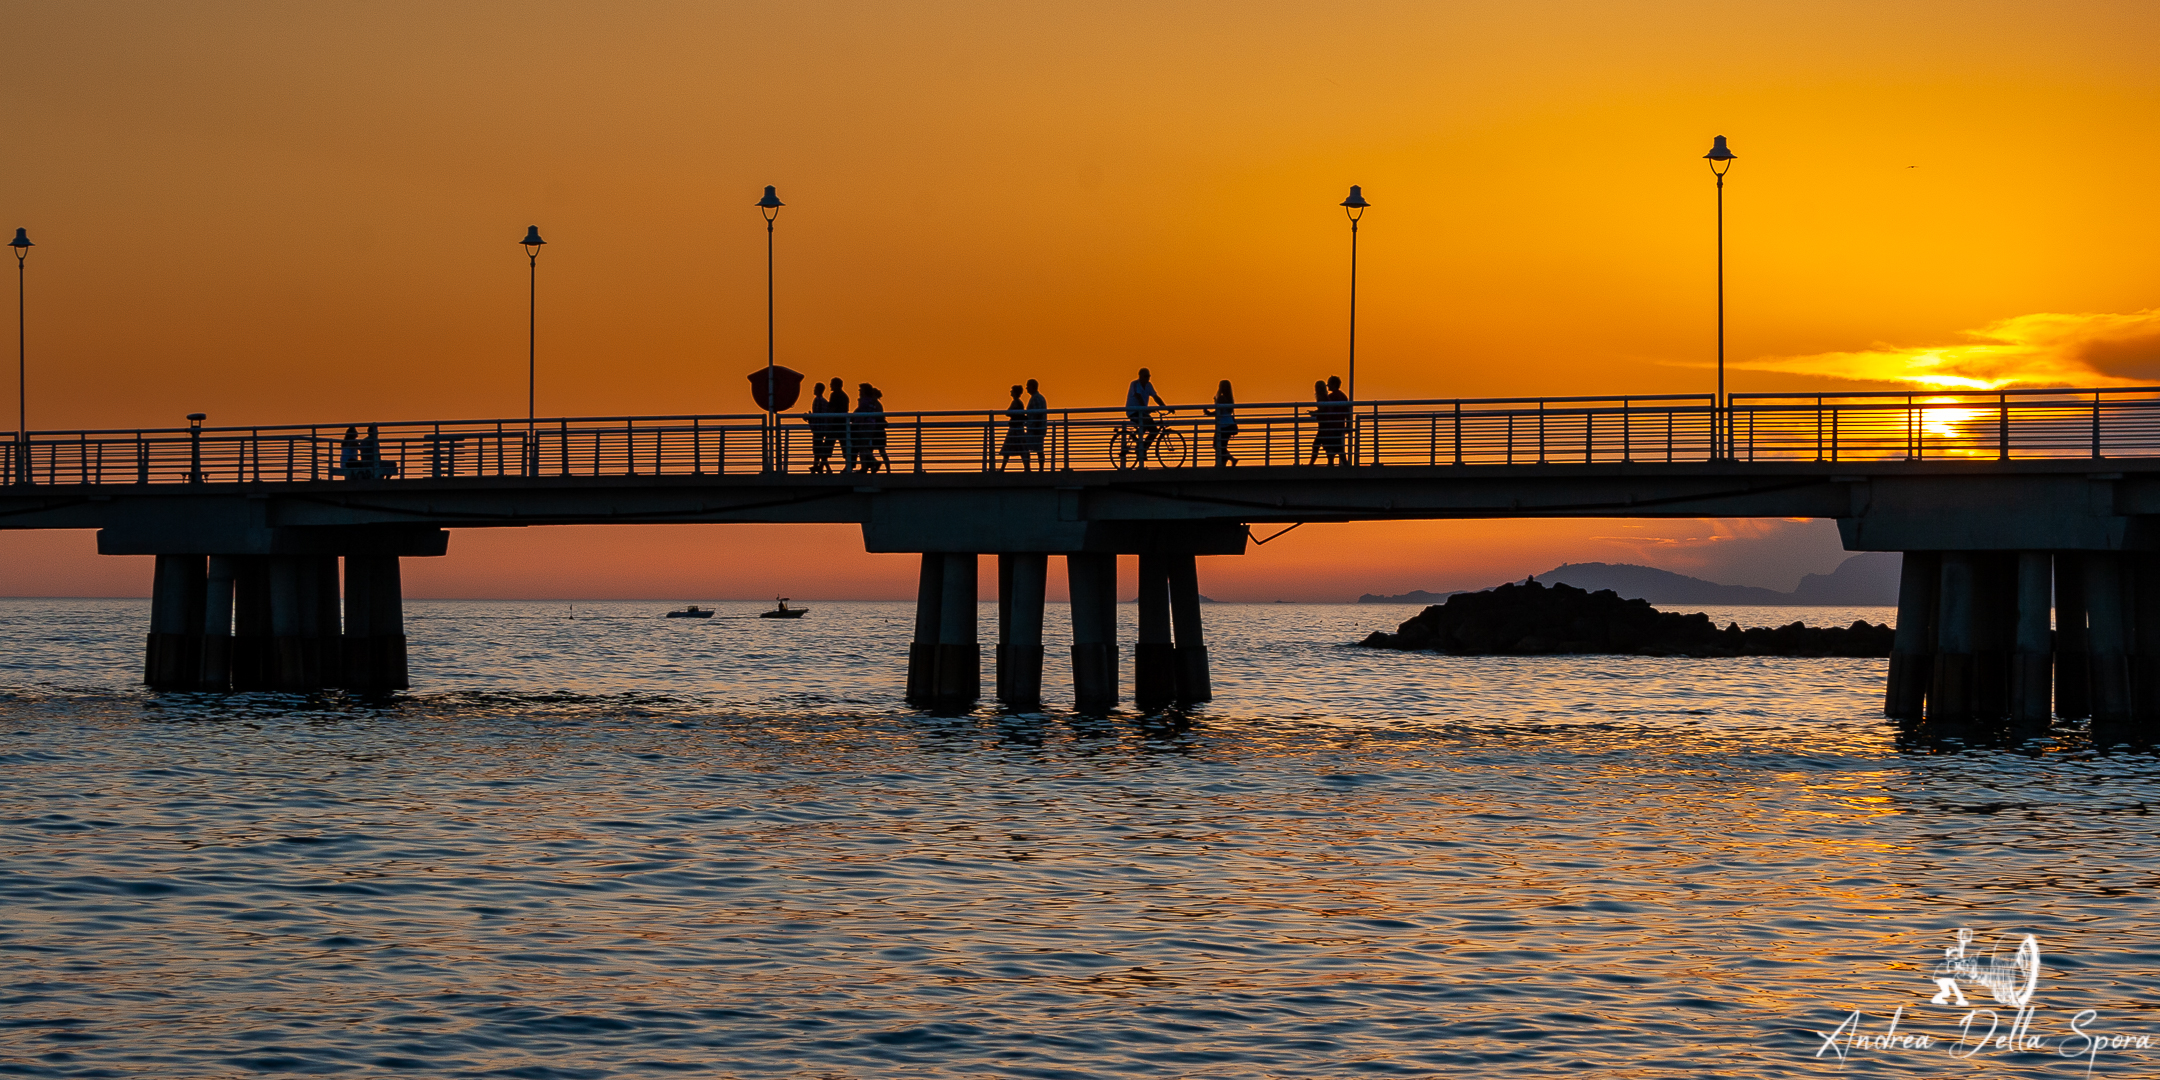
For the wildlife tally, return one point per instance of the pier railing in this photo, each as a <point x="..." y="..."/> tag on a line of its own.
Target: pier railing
<point x="2001" y="425"/>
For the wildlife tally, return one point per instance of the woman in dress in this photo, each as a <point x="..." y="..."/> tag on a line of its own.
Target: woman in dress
<point x="1225" y="414"/>
<point x="870" y="428"/>
<point x="1016" y="438"/>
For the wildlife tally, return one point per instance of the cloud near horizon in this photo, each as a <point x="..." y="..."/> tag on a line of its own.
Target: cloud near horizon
<point x="2038" y="350"/>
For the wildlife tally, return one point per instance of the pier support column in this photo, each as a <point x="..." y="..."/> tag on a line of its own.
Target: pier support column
<point x="2033" y="661"/>
<point x="297" y="620"/>
<point x="1004" y="625"/>
<point x="172" y="654"/>
<point x="959" y="659"/>
<point x="251" y="649"/>
<point x="922" y="652"/>
<point x="1022" y="581"/>
<point x="2142" y="572"/>
<point x="1093" y="580"/>
<point x="215" y="670"/>
<point x="2073" y="697"/>
<point x="1995" y="634"/>
<point x="1912" y="652"/>
<point x="373" y="646"/>
<point x="1193" y="684"/>
<point x="1154" y="655"/>
<point x="1956" y="640"/>
<point x="2108" y="638"/>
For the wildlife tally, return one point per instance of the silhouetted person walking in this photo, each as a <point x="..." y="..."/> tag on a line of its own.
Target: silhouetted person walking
<point x="1338" y="422"/>
<point x="1016" y="439"/>
<point x="869" y="428"/>
<point x="1038" y="423"/>
<point x="1320" y="421"/>
<point x="843" y="428"/>
<point x="821" y="438"/>
<point x="1225" y="414"/>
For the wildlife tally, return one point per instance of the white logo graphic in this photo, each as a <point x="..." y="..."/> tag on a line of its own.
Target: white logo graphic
<point x="2010" y="975"/>
<point x="2010" y="972"/>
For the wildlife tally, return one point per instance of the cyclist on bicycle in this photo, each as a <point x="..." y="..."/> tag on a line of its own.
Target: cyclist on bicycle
<point x="1137" y="397"/>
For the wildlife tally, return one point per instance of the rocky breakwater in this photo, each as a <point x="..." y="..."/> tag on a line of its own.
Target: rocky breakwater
<point x="1529" y="618"/>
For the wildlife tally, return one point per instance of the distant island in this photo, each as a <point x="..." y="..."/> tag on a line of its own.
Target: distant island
<point x="1865" y="580"/>
<point x="1529" y="618"/>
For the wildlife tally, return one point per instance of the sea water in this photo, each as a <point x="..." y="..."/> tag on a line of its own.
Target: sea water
<point x="592" y="842"/>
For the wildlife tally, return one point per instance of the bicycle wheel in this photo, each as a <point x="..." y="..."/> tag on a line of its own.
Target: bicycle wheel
<point x="1171" y="448"/>
<point x="1124" y="449"/>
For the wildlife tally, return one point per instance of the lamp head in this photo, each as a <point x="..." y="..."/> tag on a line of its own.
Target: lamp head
<point x="21" y="243"/>
<point x="1356" y="201"/>
<point x="1720" y="157"/>
<point x="532" y="240"/>
<point x="771" y="202"/>
<point x="197" y="418"/>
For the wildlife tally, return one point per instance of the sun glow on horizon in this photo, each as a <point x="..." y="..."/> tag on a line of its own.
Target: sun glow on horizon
<point x="2045" y="349"/>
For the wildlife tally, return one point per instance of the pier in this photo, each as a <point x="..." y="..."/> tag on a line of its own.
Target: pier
<point x="2031" y="587"/>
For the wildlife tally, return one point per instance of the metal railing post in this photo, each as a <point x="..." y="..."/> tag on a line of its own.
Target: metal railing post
<point x="2002" y="449"/>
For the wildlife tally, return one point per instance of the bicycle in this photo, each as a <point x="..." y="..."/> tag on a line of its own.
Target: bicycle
<point x="1168" y="449"/>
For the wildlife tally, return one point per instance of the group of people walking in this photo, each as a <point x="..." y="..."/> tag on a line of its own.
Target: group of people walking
<point x="1331" y="418"/>
<point x="859" y="436"/>
<point x="1027" y="424"/>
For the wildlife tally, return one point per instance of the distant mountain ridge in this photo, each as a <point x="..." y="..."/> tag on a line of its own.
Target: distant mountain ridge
<point x="1865" y="580"/>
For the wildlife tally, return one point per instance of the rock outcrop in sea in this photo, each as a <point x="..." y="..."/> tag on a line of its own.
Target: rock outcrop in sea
<point x="1529" y="618"/>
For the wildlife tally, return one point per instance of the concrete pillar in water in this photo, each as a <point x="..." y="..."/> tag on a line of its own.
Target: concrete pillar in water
<point x="2142" y="574"/>
<point x="1022" y="580"/>
<point x="251" y="650"/>
<point x="1004" y="623"/>
<point x="922" y="652"/>
<point x="2108" y="639"/>
<point x="2073" y="698"/>
<point x="1912" y="653"/>
<point x="215" y="669"/>
<point x="959" y="658"/>
<point x="172" y="653"/>
<point x="373" y="647"/>
<point x="1154" y="655"/>
<point x="1994" y="633"/>
<point x="1193" y="684"/>
<point x="296" y="623"/>
<point x="1093" y="580"/>
<point x="2033" y="660"/>
<point x="1956" y="639"/>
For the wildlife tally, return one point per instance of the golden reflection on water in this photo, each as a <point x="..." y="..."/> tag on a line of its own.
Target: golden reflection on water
<point x="1515" y="866"/>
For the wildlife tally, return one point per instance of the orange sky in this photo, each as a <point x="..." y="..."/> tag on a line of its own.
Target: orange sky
<point x="278" y="213"/>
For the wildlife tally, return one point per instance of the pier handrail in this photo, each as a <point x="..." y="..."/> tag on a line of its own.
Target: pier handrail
<point x="1650" y="428"/>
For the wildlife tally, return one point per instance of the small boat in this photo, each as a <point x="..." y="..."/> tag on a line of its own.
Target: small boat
<point x="784" y="611"/>
<point x="691" y="612"/>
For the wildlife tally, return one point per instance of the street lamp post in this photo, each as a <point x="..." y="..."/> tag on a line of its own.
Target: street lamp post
<point x="1354" y="208"/>
<point x="22" y="246"/>
<point x="1721" y="160"/>
<point x="770" y="206"/>
<point x="195" y="421"/>
<point x="532" y="244"/>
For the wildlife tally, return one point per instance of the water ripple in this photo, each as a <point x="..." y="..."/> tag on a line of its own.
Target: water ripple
<point x="659" y="848"/>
